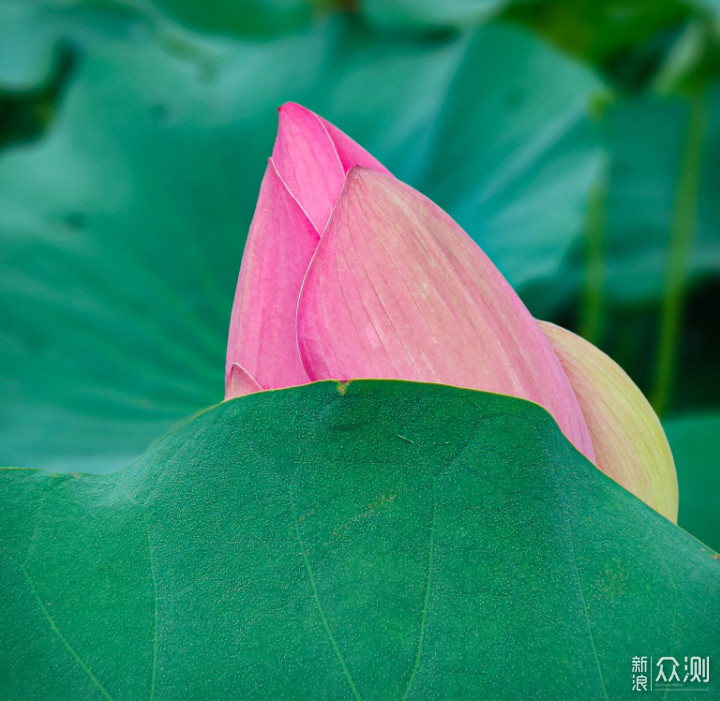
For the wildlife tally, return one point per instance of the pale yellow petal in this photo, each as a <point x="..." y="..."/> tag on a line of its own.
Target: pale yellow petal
<point x="629" y="442"/>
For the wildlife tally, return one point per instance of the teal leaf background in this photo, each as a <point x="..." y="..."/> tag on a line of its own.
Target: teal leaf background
<point x="642" y="196"/>
<point x="694" y="442"/>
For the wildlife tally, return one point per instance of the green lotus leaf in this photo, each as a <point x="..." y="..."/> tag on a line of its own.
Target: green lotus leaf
<point x="376" y="540"/>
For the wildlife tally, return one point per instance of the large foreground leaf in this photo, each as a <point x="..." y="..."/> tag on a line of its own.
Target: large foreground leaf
<point x="381" y="540"/>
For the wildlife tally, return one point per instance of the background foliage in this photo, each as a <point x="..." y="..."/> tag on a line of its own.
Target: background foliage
<point x="577" y="142"/>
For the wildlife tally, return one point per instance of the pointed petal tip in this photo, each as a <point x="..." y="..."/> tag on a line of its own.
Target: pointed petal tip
<point x="290" y="105"/>
<point x="361" y="177"/>
<point x="294" y="112"/>
<point x="240" y="382"/>
<point x="293" y="116"/>
<point x="306" y="160"/>
<point x="285" y="106"/>
<point x="358" y="172"/>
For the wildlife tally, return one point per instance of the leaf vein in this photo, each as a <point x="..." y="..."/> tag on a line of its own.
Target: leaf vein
<point x="151" y="559"/>
<point x="584" y="606"/>
<point x="57" y="632"/>
<point x="428" y="588"/>
<point x="318" y="605"/>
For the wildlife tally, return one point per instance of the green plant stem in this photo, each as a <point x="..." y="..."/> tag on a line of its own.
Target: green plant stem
<point x="681" y="240"/>
<point x="592" y="304"/>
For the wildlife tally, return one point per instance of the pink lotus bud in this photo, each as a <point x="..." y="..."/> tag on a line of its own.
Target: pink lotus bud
<point x="349" y="273"/>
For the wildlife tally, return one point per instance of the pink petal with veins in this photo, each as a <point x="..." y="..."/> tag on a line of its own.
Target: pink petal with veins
<point x="279" y="248"/>
<point x="397" y="290"/>
<point x="307" y="162"/>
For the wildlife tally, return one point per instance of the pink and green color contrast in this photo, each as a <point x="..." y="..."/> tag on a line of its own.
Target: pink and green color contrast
<point x="349" y="273"/>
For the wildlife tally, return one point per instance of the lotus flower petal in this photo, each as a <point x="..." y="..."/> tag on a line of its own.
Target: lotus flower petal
<point x="397" y="290"/>
<point x="307" y="162"/>
<point x="279" y="248"/>
<point x="312" y="157"/>
<point x="240" y="382"/>
<point x="629" y="442"/>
